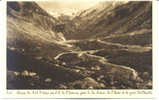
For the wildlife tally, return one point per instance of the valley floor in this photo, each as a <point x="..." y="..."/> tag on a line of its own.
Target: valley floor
<point x="88" y="64"/>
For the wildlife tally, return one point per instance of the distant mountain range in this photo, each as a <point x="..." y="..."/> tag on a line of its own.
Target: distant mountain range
<point x="114" y="18"/>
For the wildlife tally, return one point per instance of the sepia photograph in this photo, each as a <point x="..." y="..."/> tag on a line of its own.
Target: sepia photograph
<point x="77" y="44"/>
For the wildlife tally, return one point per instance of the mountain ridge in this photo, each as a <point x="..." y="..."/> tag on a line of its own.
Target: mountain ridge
<point x="122" y="19"/>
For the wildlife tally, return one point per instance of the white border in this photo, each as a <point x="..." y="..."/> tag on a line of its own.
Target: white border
<point x="2" y="47"/>
<point x="155" y="48"/>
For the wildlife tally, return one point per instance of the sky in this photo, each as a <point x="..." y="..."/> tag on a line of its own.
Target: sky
<point x="57" y="7"/>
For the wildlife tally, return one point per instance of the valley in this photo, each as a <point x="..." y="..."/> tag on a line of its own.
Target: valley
<point x="108" y="46"/>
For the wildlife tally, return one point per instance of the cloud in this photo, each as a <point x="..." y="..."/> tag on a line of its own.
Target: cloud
<point x="69" y="7"/>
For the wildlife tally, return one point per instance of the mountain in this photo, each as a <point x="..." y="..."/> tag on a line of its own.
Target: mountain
<point x="112" y="18"/>
<point x="31" y="12"/>
<point x="31" y="39"/>
<point x="31" y="28"/>
<point x="31" y="15"/>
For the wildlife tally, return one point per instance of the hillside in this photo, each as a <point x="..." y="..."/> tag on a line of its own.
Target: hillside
<point x="113" y="18"/>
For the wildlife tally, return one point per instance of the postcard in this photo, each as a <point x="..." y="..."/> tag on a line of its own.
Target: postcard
<point x="78" y="49"/>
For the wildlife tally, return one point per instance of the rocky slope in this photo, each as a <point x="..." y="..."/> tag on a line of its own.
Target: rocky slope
<point x="112" y="51"/>
<point x="109" y="18"/>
